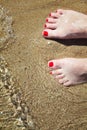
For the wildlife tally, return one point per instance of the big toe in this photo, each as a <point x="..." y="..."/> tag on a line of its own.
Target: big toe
<point x="49" y="33"/>
<point x="54" y="64"/>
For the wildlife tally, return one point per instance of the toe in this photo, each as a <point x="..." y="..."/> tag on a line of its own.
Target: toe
<point x="55" y="64"/>
<point x="56" y="72"/>
<point x="68" y="83"/>
<point x="61" y="76"/>
<point x="62" y="81"/>
<point x="49" y="33"/>
<point x="50" y="26"/>
<point x="60" y="11"/>
<point x="54" y="15"/>
<point x="51" y="20"/>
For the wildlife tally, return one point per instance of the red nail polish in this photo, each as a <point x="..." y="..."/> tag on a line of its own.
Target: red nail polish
<point x="50" y="72"/>
<point x="45" y="26"/>
<point x="60" y="13"/>
<point x="45" y="33"/>
<point x="50" y="14"/>
<point x="46" y="20"/>
<point x="51" y="64"/>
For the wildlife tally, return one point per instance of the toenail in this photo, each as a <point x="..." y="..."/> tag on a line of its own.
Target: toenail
<point x="51" y="64"/>
<point x="61" y="13"/>
<point x="50" y="14"/>
<point x="50" y="72"/>
<point x="45" y="25"/>
<point x="46" y="20"/>
<point x="45" y="33"/>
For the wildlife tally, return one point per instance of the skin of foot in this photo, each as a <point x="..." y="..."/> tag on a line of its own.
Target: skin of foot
<point x="65" y="24"/>
<point x="69" y="71"/>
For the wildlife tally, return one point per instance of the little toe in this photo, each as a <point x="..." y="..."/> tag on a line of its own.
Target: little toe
<point x="50" y="26"/>
<point x="61" y="81"/>
<point x="60" y="11"/>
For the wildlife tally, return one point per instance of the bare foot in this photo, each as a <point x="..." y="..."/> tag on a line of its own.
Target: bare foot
<point x="69" y="71"/>
<point x="65" y="24"/>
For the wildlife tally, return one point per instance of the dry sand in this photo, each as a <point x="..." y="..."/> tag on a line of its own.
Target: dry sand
<point x="52" y="106"/>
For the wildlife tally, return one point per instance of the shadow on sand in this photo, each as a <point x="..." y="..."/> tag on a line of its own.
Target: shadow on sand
<point x="69" y="42"/>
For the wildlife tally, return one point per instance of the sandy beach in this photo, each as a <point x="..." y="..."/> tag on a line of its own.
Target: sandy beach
<point x="51" y="105"/>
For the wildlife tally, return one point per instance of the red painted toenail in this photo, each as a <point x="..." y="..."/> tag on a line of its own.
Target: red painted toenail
<point x="45" y="25"/>
<point x="50" y="14"/>
<point x="51" y="72"/>
<point x="61" y="13"/>
<point x="45" y="33"/>
<point x="46" y="20"/>
<point x="51" y="64"/>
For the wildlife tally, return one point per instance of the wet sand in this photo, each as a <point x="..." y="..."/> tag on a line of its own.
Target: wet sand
<point x="52" y="106"/>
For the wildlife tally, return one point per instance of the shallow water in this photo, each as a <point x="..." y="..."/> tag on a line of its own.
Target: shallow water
<point x="51" y="106"/>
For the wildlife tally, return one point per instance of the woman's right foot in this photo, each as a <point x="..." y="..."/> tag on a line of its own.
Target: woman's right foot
<point x="69" y="71"/>
<point x="65" y="24"/>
